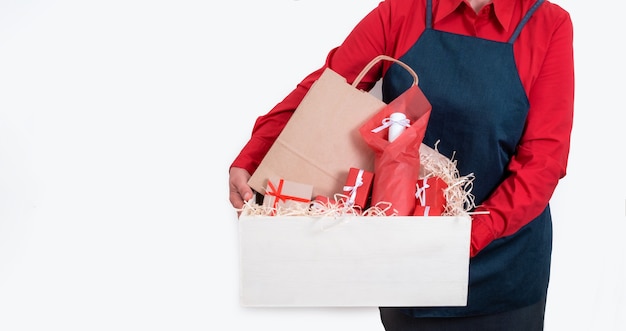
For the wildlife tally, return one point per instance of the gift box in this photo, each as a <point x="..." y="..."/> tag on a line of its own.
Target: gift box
<point x="358" y="187"/>
<point x="430" y="197"/>
<point x="357" y="261"/>
<point x="320" y="202"/>
<point x="281" y="193"/>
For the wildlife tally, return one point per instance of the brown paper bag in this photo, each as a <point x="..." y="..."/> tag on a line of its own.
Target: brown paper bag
<point x="321" y="141"/>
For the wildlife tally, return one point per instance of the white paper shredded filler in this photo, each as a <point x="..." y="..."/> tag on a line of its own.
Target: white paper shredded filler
<point x="459" y="199"/>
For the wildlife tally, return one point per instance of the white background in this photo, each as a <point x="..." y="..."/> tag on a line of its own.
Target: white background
<point x="119" y="119"/>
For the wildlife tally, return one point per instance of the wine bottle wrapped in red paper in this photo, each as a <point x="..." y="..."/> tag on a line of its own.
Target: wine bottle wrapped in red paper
<point x="397" y="163"/>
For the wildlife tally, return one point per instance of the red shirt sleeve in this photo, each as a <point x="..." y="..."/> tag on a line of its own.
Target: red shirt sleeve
<point x="541" y="158"/>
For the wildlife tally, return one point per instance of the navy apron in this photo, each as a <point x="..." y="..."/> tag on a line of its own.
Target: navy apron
<point x="479" y="109"/>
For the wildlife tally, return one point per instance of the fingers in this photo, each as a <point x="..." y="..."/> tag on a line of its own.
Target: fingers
<point x="239" y="190"/>
<point x="238" y="198"/>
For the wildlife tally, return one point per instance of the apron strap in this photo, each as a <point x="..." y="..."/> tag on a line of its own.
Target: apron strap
<point x="429" y="14"/>
<point x="524" y="20"/>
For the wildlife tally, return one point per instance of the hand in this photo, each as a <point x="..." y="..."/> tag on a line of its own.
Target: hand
<point x="239" y="190"/>
<point x="481" y="234"/>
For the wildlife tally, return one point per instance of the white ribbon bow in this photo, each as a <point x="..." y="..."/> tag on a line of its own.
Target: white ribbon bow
<point x="386" y="122"/>
<point x="353" y="189"/>
<point x="420" y="194"/>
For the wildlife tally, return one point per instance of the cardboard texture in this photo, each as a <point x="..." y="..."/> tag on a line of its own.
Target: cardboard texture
<point x="354" y="261"/>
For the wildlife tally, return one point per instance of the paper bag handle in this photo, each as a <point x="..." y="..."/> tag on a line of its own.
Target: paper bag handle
<point x="388" y="58"/>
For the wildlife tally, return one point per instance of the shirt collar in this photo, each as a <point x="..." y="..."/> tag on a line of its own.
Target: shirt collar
<point x="503" y="10"/>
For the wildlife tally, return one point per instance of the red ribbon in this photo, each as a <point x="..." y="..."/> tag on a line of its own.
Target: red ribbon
<point x="277" y="193"/>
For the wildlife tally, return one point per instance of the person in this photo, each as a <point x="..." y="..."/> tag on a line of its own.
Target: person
<point x="500" y="77"/>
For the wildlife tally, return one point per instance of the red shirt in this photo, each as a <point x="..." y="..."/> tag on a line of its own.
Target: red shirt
<point x="544" y="57"/>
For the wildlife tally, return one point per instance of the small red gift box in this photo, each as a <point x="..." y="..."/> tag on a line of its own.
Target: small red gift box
<point x="321" y="203"/>
<point x="430" y="197"/>
<point x="358" y="187"/>
<point x="281" y="193"/>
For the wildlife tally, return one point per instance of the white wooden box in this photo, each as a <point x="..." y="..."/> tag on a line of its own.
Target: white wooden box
<point x="354" y="261"/>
